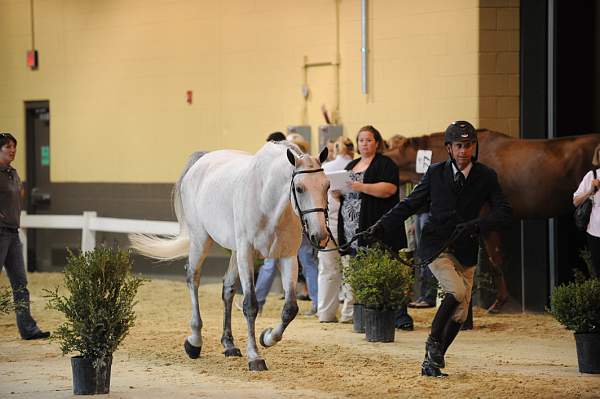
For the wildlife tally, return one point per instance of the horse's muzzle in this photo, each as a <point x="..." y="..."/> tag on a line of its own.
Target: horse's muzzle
<point x="319" y="241"/>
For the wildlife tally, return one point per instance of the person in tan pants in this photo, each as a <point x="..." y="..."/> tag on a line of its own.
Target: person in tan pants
<point x="455" y="191"/>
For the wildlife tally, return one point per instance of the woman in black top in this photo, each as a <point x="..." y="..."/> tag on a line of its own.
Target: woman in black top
<point x="374" y="192"/>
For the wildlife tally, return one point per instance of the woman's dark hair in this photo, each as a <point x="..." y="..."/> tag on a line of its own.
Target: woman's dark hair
<point x="276" y="136"/>
<point x="5" y="138"/>
<point x="376" y="136"/>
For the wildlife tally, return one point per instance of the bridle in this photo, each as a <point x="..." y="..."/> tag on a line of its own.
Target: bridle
<point x="318" y="247"/>
<point x="307" y="211"/>
<point x="323" y="248"/>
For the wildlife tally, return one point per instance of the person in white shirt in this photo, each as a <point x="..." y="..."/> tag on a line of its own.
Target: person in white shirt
<point x="589" y="187"/>
<point x="330" y="274"/>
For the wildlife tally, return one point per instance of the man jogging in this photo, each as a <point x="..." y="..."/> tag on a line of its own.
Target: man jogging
<point x="455" y="190"/>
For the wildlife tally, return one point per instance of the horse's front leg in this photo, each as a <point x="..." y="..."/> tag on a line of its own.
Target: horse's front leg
<point x="229" y="281"/>
<point x="245" y="260"/>
<point x="289" y="276"/>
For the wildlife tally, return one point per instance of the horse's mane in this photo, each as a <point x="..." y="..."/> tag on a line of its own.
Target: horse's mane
<point x="289" y="145"/>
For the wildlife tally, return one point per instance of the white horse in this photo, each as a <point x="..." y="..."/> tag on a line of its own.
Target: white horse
<point x="250" y="204"/>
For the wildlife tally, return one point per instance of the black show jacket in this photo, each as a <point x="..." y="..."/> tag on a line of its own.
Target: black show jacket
<point x="449" y="206"/>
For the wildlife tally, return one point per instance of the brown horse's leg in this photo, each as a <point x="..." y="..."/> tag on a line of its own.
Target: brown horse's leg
<point x="492" y="246"/>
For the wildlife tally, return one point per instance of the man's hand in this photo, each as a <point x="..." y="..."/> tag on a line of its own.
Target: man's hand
<point x="374" y="233"/>
<point x="467" y="229"/>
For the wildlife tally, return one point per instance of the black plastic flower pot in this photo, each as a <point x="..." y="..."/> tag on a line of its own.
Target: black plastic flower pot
<point x="90" y="377"/>
<point x="380" y="325"/>
<point x="588" y="352"/>
<point x="358" y="318"/>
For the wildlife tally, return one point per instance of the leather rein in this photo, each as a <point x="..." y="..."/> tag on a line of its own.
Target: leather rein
<point x="318" y="247"/>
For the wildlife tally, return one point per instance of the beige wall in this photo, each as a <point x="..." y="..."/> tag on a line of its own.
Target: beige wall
<point x="499" y="66"/>
<point x="116" y="73"/>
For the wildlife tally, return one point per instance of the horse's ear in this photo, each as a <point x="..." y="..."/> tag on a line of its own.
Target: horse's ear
<point x="291" y="157"/>
<point x="323" y="155"/>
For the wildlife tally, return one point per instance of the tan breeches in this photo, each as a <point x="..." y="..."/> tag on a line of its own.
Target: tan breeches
<point x="454" y="279"/>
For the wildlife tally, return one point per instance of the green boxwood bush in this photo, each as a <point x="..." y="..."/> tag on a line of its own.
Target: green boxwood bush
<point x="577" y="305"/>
<point x="6" y="300"/>
<point x="99" y="310"/>
<point x="378" y="279"/>
<point x="8" y="304"/>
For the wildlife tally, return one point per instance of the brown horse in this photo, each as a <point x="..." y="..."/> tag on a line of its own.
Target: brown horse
<point x="537" y="176"/>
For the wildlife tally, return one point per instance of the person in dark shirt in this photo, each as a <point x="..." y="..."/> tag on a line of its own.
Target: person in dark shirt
<point x="374" y="191"/>
<point x="455" y="190"/>
<point x="11" y="255"/>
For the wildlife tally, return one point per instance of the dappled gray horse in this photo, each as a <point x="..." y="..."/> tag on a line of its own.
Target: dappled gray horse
<point x="250" y="204"/>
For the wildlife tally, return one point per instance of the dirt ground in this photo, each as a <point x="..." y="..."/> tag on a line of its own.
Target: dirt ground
<point x="511" y="355"/>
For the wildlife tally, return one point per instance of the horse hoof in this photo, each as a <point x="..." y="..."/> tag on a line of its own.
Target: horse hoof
<point x="262" y="337"/>
<point x="232" y="352"/>
<point x="192" y="351"/>
<point x="257" y="365"/>
<point x="497" y="306"/>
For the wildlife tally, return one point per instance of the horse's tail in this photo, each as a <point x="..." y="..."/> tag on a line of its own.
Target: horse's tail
<point x="170" y="247"/>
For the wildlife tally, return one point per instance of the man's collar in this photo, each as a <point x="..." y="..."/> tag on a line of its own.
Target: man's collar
<point x="465" y="171"/>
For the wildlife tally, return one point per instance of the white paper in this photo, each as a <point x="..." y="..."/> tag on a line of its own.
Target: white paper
<point x="423" y="160"/>
<point x="339" y="180"/>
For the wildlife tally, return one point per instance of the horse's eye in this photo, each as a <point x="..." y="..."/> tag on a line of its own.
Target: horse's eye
<point x="299" y="190"/>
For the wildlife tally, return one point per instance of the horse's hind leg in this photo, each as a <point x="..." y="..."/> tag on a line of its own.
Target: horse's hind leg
<point x="289" y="276"/>
<point x="198" y="251"/>
<point x="245" y="260"/>
<point x="229" y="281"/>
<point x="492" y="246"/>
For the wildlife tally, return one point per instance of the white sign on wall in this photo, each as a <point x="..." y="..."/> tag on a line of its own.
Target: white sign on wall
<point x="423" y="160"/>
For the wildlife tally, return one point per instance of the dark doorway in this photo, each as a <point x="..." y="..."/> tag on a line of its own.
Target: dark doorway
<point x="37" y="137"/>
<point x="560" y="93"/>
<point x="577" y="93"/>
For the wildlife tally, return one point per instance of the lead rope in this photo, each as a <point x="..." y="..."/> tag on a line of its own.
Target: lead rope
<point x="419" y="265"/>
<point x="345" y="246"/>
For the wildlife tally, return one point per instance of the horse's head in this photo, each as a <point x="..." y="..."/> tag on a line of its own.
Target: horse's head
<point x="309" y="195"/>
<point x="405" y="156"/>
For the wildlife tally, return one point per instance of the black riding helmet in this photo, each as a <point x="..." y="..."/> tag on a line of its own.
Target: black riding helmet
<point x="461" y="131"/>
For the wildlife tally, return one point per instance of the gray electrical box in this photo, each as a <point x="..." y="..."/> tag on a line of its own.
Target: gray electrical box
<point x="303" y="130"/>
<point x="329" y="132"/>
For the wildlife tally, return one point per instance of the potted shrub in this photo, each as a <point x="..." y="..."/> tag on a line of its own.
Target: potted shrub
<point x="577" y="306"/>
<point x="98" y="312"/>
<point x="382" y="283"/>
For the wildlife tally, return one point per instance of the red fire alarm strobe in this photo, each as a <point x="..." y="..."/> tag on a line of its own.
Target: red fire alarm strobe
<point x="32" y="59"/>
<point x="189" y="96"/>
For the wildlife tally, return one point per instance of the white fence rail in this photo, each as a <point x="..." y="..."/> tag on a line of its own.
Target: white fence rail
<point x="89" y="223"/>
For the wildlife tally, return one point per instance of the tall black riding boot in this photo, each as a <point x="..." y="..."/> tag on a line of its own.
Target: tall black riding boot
<point x="450" y="332"/>
<point x="427" y="370"/>
<point x="434" y="346"/>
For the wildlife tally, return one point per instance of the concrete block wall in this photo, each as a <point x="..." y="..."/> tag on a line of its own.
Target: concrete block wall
<point x="499" y="66"/>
